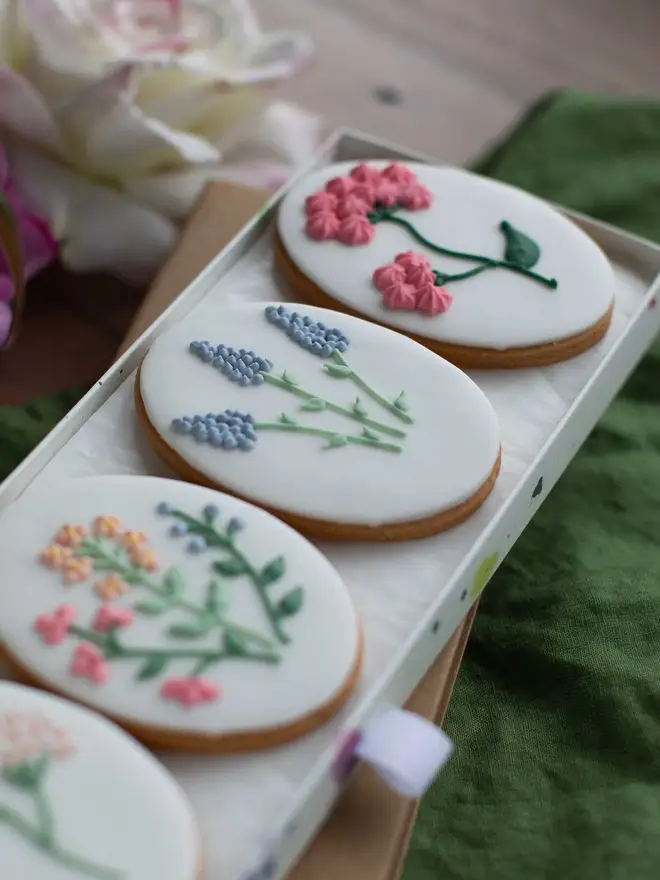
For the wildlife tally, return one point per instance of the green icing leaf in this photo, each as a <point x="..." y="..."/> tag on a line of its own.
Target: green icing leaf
<point x="401" y="403"/>
<point x="336" y="441"/>
<point x="190" y="630"/>
<point x="289" y="379"/>
<point x="287" y="420"/>
<point x="151" y="607"/>
<point x="359" y="409"/>
<point x="233" y="644"/>
<point x="520" y="248"/>
<point x="290" y="604"/>
<point x="370" y="435"/>
<point x="273" y="571"/>
<point x="213" y="601"/>
<point x="338" y="371"/>
<point x="314" y="404"/>
<point x="152" y="667"/>
<point x="173" y="583"/>
<point x="231" y="567"/>
<point x="27" y="774"/>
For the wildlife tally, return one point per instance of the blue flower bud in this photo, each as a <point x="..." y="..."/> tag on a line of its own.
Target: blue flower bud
<point x="341" y="346"/>
<point x="211" y="511"/>
<point x="235" y="525"/>
<point x="200" y="432"/>
<point x="258" y="379"/>
<point x="178" y="530"/>
<point x="230" y="442"/>
<point x="245" y="443"/>
<point x="197" y="544"/>
<point x="207" y="355"/>
<point x="244" y="380"/>
<point x="164" y="508"/>
<point x="179" y="426"/>
<point x="218" y="362"/>
<point x="227" y="367"/>
<point x="326" y="351"/>
<point x="247" y="359"/>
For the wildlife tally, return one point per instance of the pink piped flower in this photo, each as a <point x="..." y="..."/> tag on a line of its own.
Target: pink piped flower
<point x="54" y="628"/>
<point x="419" y="275"/>
<point x="320" y="202"/>
<point x="76" y="570"/>
<point x="108" y="527"/>
<point x="352" y="204"/>
<point x="432" y="300"/>
<point x="190" y="691"/>
<point x="88" y="662"/>
<point x="399" y="296"/>
<point x="56" y="556"/>
<point x="356" y="230"/>
<point x="322" y="226"/>
<point x="70" y="536"/>
<point x="365" y="173"/>
<point x="400" y="175"/>
<point x="111" y="617"/>
<point x="366" y="192"/>
<point x="385" y="276"/>
<point x="133" y="539"/>
<point x="416" y="197"/>
<point x="111" y="587"/>
<point x="340" y="186"/>
<point x="410" y="259"/>
<point x="387" y="193"/>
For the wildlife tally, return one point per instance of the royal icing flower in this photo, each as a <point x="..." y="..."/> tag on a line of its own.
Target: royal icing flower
<point x="190" y="691"/>
<point x="387" y="275"/>
<point x="55" y="556"/>
<point x="411" y="259"/>
<point x="432" y="299"/>
<point x="143" y="557"/>
<point x="25" y="735"/>
<point x="399" y="296"/>
<point x="111" y="617"/>
<point x="88" y="662"/>
<point x="349" y="206"/>
<point x="410" y="283"/>
<point x="107" y="527"/>
<point x="132" y="539"/>
<point x="53" y="628"/>
<point x="111" y="587"/>
<point x="76" y="570"/>
<point x="70" y="536"/>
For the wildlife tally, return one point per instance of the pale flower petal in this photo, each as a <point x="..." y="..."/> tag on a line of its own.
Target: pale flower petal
<point x="24" y="112"/>
<point x="174" y="194"/>
<point x="282" y="133"/>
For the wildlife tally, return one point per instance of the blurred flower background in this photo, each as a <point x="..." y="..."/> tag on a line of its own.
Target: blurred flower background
<point x="114" y="114"/>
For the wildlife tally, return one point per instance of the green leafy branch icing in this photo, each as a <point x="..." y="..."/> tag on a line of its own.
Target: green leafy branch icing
<point x="29" y="743"/>
<point x="126" y="562"/>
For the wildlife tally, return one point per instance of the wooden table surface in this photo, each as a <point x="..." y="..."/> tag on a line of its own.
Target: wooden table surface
<point x="442" y="76"/>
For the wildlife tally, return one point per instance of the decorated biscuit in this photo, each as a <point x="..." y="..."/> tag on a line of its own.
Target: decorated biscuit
<point x="81" y="800"/>
<point x="482" y="273"/>
<point x="193" y="619"/>
<point x="342" y="428"/>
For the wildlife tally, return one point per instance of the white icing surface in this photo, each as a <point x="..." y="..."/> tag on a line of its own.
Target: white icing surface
<point x="324" y="633"/>
<point x="497" y="309"/>
<point x="447" y="455"/>
<point x="113" y="803"/>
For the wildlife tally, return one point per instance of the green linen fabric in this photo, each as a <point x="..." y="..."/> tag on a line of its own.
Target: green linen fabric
<point x="556" y="712"/>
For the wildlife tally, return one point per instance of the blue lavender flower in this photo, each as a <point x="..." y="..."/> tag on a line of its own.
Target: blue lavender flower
<point x="197" y="544"/>
<point x="178" y="530"/>
<point x="211" y="511"/>
<point x="164" y="508"/>
<point x="234" y="525"/>
<point x="237" y="364"/>
<point x="230" y="429"/>
<point x="314" y="336"/>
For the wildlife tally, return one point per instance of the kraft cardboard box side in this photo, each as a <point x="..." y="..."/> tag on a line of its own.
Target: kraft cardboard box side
<point x="367" y="836"/>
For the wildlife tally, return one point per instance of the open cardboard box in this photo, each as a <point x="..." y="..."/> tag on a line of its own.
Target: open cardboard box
<point x="367" y="835"/>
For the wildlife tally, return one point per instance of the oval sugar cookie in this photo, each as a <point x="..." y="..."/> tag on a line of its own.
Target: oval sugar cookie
<point x="483" y="273"/>
<point x="81" y="800"/>
<point x="193" y="619"/>
<point x="342" y="428"/>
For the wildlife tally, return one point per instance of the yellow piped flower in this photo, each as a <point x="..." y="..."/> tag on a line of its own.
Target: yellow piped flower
<point x="483" y="574"/>
<point x="133" y="539"/>
<point x="111" y="587"/>
<point x="55" y="556"/>
<point x="76" y="570"/>
<point x="70" y="536"/>
<point x="108" y="527"/>
<point x="143" y="557"/>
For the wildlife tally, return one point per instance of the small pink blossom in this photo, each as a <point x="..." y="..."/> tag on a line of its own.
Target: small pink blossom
<point x="387" y="193"/>
<point x="352" y="204"/>
<point x="365" y="173"/>
<point x="70" y="535"/>
<point x="56" y="556"/>
<point x="399" y="296"/>
<point x="356" y="230"/>
<point x="112" y="616"/>
<point x="387" y="275"/>
<point x="27" y="735"/>
<point x="322" y="226"/>
<point x="340" y="186"/>
<point x="189" y="691"/>
<point x="419" y="275"/>
<point x="143" y="557"/>
<point x="432" y="300"/>
<point x="366" y="192"/>
<point x="89" y="662"/>
<point x="77" y="569"/>
<point x="410" y="259"/>
<point x="108" y="526"/>
<point x="53" y="628"/>
<point x="320" y="202"/>
<point x="416" y="197"/>
<point x="399" y="174"/>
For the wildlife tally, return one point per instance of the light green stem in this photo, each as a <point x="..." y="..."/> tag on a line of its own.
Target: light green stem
<point x="383" y="401"/>
<point x="329" y="435"/>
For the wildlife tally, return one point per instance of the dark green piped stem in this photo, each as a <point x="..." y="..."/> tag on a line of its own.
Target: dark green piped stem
<point x="333" y="407"/>
<point x="359" y="381"/>
<point x="214" y="538"/>
<point x="489" y="263"/>
<point x="139" y="577"/>
<point x="39" y="838"/>
<point x="113" y="648"/>
<point x="328" y="435"/>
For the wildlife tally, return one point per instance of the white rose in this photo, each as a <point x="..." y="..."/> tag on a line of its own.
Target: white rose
<point x="115" y="113"/>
